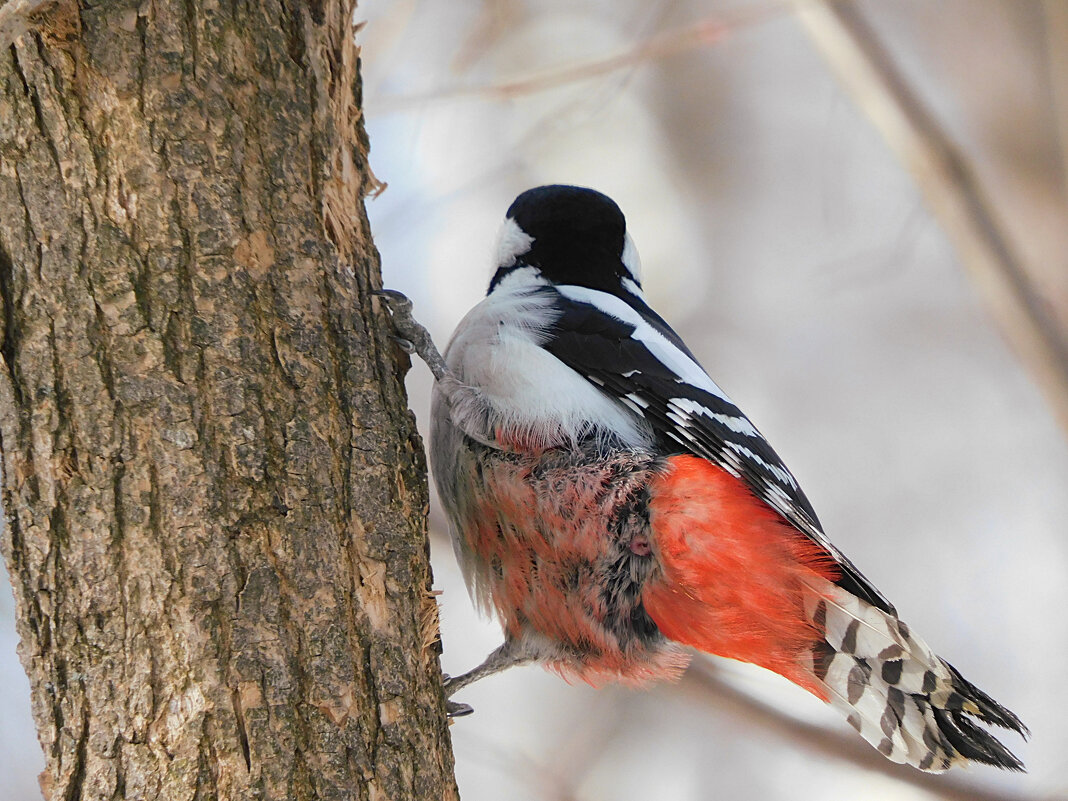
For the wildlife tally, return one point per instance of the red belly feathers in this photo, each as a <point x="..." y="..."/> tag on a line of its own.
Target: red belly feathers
<point x="733" y="571"/>
<point x="719" y="570"/>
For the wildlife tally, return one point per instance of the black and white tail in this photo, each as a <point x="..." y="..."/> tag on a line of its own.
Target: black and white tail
<point x="910" y="704"/>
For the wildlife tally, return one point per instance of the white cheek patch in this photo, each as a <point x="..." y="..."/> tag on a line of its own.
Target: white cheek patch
<point x="512" y="242"/>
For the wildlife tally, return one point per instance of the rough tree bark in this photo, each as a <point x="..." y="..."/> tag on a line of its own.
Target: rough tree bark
<point x="214" y="495"/>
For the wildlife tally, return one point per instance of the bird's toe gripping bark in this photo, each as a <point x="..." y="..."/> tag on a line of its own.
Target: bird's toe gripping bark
<point x="455" y="709"/>
<point x="411" y="335"/>
<point x="467" y="405"/>
<point x="507" y="655"/>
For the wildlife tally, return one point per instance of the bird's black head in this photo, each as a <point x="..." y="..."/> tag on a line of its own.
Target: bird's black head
<point x="571" y="235"/>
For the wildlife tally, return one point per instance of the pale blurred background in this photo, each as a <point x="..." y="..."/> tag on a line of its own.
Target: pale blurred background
<point x="786" y="241"/>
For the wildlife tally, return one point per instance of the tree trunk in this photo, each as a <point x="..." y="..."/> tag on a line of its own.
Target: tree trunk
<point x="215" y="497"/>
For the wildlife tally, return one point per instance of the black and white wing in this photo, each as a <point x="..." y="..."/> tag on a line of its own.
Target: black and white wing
<point x="628" y="351"/>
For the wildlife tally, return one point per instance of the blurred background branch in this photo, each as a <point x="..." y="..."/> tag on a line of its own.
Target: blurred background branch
<point x="949" y="184"/>
<point x="672" y="42"/>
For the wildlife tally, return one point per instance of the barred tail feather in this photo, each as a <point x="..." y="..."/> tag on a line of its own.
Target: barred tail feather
<point x="907" y="702"/>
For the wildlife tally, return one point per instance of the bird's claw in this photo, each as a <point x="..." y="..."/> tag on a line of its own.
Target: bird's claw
<point x="454" y="709"/>
<point x="400" y="311"/>
<point x="395" y="301"/>
<point x="410" y="335"/>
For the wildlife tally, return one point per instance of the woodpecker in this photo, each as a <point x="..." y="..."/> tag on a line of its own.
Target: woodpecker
<point x="615" y="509"/>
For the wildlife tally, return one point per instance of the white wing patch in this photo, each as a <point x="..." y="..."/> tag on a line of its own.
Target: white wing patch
<point x="638" y="400"/>
<point x="781" y="475"/>
<point x="657" y="344"/>
<point x="740" y="425"/>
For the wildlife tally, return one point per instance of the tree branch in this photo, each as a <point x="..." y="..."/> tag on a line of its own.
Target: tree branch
<point x="703" y="32"/>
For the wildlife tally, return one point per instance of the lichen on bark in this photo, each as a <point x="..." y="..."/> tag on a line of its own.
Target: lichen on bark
<point x="214" y="494"/>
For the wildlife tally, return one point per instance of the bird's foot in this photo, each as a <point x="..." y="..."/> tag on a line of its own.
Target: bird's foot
<point x="410" y="334"/>
<point x="454" y="709"/>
